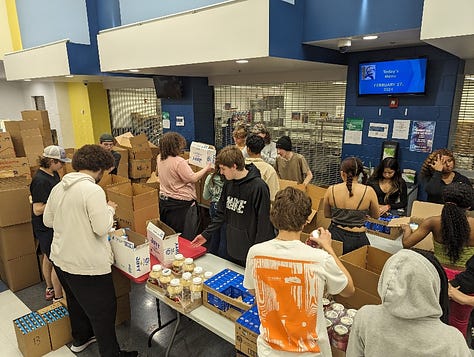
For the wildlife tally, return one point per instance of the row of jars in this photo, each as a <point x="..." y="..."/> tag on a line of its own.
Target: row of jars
<point x="339" y="321"/>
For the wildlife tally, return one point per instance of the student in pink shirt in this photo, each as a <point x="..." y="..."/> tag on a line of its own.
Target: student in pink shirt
<point x="177" y="179"/>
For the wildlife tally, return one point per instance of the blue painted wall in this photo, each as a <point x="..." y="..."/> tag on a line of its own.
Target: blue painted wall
<point x="132" y="11"/>
<point x="45" y="21"/>
<point x="197" y="107"/>
<point x="286" y="28"/>
<point x="325" y="19"/>
<point x="437" y="105"/>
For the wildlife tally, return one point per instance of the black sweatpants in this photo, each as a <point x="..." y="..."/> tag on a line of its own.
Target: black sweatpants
<point x="92" y="307"/>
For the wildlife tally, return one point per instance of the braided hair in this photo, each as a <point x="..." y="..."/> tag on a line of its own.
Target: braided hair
<point x="353" y="167"/>
<point x="426" y="169"/>
<point x="455" y="229"/>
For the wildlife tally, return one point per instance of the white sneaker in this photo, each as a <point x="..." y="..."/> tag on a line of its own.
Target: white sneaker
<point x="76" y="348"/>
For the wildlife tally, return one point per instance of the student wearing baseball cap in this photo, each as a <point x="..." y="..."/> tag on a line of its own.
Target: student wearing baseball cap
<point x="107" y="141"/>
<point x="43" y="182"/>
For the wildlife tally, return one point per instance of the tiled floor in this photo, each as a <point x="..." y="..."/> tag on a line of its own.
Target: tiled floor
<point x="191" y="339"/>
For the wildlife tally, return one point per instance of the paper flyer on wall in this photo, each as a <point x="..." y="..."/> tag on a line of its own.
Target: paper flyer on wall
<point x="378" y="130"/>
<point x="422" y="136"/>
<point x="353" y="131"/>
<point x="401" y="128"/>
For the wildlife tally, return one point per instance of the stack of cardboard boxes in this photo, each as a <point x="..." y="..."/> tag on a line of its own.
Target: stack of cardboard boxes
<point x="139" y="154"/>
<point x="18" y="261"/>
<point x="122" y="287"/>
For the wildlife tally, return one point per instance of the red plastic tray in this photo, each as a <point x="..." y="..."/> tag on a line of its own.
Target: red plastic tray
<point x="185" y="248"/>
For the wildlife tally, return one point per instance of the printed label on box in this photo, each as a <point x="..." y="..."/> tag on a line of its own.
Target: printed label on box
<point x="162" y="247"/>
<point x="202" y="154"/>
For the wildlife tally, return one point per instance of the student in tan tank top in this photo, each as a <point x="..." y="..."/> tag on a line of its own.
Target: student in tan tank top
<point x="348" y="203"/>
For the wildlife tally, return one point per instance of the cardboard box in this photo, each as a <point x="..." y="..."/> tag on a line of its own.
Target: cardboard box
<point x="389" y="232"/>
<point x="123" y="309"/>
<point x="365" y="265"/>
<point x="15" y="127"/>
<point x="17" y="166"/>
<point x="60" y="329"/>
<point x="42" y="119"/>
<point x="112" y="180"/>
<point x="21" y="272"/>
<point x="132" y="254"/>
<point x="16" y="192"/>
<point x="163" y="241"/>
<point x="136" y="220"/>
<point x="316" y="193"/>
<point x="154" y="181"/>
<point x="140" y="148"/>
<point x="420" y="210"/>
<point x="122" y="284"/>
<point x="202" y="154"/>
<point x="289" y="183"/>
<point x="33" y="145"/>
<point x="122" y="169"/>
<point x="35" y="343"/>
<point x="224" y="294"/>
<point x="139" y="168"/>
<point x="16" y="241"/>
<point x="245" y="340"/>
<point x="7" y="149"/>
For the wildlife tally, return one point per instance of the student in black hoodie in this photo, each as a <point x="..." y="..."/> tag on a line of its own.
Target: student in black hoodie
<point x="244" y="206"/>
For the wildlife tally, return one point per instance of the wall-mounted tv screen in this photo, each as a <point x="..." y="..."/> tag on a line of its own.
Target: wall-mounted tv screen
<point x="169" y="87"/>
<point x="406" y="76"/>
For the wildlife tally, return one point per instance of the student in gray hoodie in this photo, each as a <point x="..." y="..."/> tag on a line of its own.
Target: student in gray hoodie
<point x="407" y="323"/>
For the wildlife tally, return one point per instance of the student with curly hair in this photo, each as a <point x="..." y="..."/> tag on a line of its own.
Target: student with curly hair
<point x="437" y="172"/>
<point x="289" y="278"/>
<point x="389" y="186"/>
<point x="453" y="239"/>
<point x="177" y="179"/>
<point x="348" y="203"/>
<point x="81" y="217"/>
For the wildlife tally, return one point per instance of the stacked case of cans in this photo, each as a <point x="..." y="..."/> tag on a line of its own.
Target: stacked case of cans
<point x="29" y="323"/>
<point x="381" y="227"/>
<point x="55" y="314"/>
<point x="338" y="322"/>
<point x="250" y="320"/>
<point x="230" y="283"/>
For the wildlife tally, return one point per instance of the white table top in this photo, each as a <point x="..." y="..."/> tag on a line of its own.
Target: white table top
<point x="211" y="320"/>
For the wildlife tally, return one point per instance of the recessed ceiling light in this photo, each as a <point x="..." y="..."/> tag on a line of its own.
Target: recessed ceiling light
<point x="69" y="76"/>
<point x="371" y="37"/>
<point x="242" y="61"/>
<point x="134" y="70"/>
<point x="27" y="80"/>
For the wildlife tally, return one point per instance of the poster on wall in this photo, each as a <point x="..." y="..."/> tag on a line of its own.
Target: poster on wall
<point x="353" y="131"/>
<point x="422" y="136"/>
<point x="378" y="130"/>
<point x="401" y="128"/>
<point x="166" y="120"/>
<point x="179" y="121"/>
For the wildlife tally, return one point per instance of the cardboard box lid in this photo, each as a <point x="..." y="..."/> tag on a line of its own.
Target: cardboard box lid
<point x="133" y="196"/>
<point x="425" y="209"/>
<point x="316" y="193"/>
<point x="137" y="143"/>
<point x="160" y="230"/>
<point x="109" y="179"/>
<point x="135" y="238"/>
<point x="153" y="178"/>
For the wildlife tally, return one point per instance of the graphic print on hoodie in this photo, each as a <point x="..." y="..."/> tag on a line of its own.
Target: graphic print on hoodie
<point x="245" y="207"/>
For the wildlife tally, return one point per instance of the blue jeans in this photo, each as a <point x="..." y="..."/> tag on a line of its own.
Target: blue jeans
<point x="218" y="244"/>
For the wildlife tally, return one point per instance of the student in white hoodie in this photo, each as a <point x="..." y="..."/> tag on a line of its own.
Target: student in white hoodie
<point x="407" y="323"/>
<point x="81" y="217"/>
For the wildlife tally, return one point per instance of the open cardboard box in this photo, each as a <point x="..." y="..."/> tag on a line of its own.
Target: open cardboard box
<point x="420" y="210"/>
<point x="131" y="253"/>
<point x="336" y="245"/>
<point x="364" y="265"/>
<point x="163" y="241"/>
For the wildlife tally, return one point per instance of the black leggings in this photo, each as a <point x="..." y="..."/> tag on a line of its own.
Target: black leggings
<point x="350" y="240"/>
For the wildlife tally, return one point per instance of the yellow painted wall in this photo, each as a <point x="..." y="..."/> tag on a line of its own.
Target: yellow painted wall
<point x="81" y="114"/>
<point x="99" y="110"/>
<point x="13" y="25"/>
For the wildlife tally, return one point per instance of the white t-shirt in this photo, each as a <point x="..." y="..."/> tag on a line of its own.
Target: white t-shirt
<point x="289" y="278"/>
